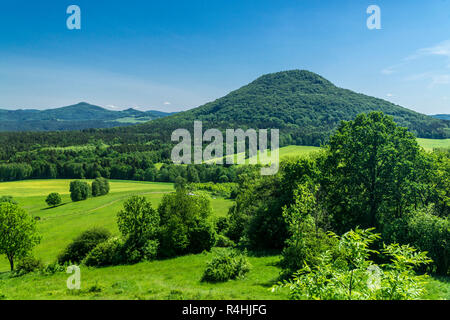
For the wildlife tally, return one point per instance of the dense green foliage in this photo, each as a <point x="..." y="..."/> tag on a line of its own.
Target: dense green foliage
<point x="106" y="253"/>
<point x="79" y="190"/>
<point x="100" y="187"/>
<point x="138" y="223"/>
<point x="186" y="226"/>
<point x="28" y="264"/>
<point x="372" y="174"/>
<point x="226" y="264"/>
<point x="79" y="248"/>
<point x="53" y="199"/>
<point x="425" y="230"/>
<point x="355" y="277"/>
<point x="18" y="232"/>
<point x="373" y="171"/>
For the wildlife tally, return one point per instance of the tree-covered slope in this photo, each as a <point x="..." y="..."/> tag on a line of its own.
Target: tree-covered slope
<point x="75" y="117"/>
<point x="303" y="105"/>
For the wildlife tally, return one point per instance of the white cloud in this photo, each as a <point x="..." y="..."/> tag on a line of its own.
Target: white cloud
<point x="389" y="95"/>
<point x="166" y="103"/>
<point x="441" y="49"/>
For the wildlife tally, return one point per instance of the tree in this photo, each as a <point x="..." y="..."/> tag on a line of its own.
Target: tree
<point x="53" y="199"/>
<point x="185" y="224"/>
<point x="139" y="224"/>
<point x="373" y="171"/>
<point x="18" y="233"/>
<point x="79" y="190"/>
<point x="100" y="187"/>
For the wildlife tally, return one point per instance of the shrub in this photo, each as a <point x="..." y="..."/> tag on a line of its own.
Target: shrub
<point x="226" y="265"/>
<point x="222" y="225"/>
<point x="133" y="254"/>
<point x="53" y="199"/>
<point x="100" y="187"/>
<point x="185" y="226"/>
<point x="139" y="224"/>
<point x="306" y="250"/>
<point x="79" y="190"/>
<point x="7" y="199"/>
<point x="76" y="251"/>
<point x="28" y="264"/>
<point x="425" y="231"/>
<point x="107" y="253"/>
<point x="224" y="242"/>
<point x="53" y="268"/>
<point x="355" y="277"/>
<point x="202" y="236"/>
<point x="430" y="233"/>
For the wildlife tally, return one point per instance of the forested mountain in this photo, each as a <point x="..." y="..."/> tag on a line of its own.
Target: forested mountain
<point x="303" y="105"/>
<point x="76" y="117"/>
<point x="442" y="116"/>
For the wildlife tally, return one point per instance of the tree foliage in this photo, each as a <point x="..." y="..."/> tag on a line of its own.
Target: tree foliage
<point x="18" y="232"/>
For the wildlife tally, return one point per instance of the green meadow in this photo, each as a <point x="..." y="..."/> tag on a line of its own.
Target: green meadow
<point x="430" y="144"/>
<point x="177" y="278"/>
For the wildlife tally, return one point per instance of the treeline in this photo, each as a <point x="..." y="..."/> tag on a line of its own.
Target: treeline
<point x="125" y="162"/>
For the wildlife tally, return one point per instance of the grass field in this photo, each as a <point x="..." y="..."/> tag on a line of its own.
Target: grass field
<point x="430" y="144"/>
<point x="60" y="225"/>
<point x="295" y="151"/>
<point x="177" y="278"/>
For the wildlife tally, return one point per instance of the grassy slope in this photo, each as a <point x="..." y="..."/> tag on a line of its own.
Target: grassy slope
<point x="168" y="279"/>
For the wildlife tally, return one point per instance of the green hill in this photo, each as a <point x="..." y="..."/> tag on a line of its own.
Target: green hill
<point x="303" y="105"/>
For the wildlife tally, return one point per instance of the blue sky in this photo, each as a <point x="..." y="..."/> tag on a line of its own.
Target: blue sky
<point x="173" y="55"/>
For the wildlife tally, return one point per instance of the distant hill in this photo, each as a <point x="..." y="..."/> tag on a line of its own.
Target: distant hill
<point x="442" y="116"/>
<point x="75" y="117"/>
<point x="303" y="105"/>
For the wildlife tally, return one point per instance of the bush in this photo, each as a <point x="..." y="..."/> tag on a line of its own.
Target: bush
<point x="202" y="236"/>
<point x="185" y="226"/>
<point x="430" y="233"/>
<point x="7" y="199"/>
<point x="100" y="187"/>
<point x="79" y="190"/>
<point x="53" y="268"/>
<point x="146" y="251"/>
<point x="107" y="253"/>
<point x="425" y="231"/>
<point x="226" y="265"/>
<point x="53" y="199"/>
<point x="83" y="244"/>
<point x="355" y="277"/>
<point x="306" y="250"/>
<point x="222" y="225"/>
<point x="224" y="242"/>
<point x="28" y="264"/>
<point x="139" y="224"/>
